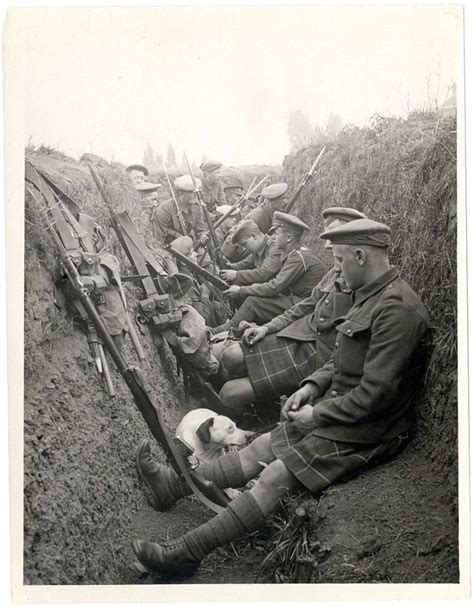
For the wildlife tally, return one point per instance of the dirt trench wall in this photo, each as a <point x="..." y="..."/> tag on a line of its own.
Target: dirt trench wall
<point x="403" y="173"/>
<point x="80" y="484"/>
<point x="81" y="489"/>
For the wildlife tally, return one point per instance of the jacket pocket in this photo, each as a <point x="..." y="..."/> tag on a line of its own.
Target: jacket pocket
<point x="352" y="345"/>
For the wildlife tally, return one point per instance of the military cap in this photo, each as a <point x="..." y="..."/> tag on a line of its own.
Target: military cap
<point x="185" y="183"/>
<point x="359" y="232"/>
<point x="274" y="190"/>
<point x="233" y="186"/>
<point x="244" y="230"/>
<point x="343" y="213"/>
<point x="146" y="187"/>
<point x="210" y="165"/>
<point x="137" y="167"/>
<point x="287" y="221"/>
<point x="183" y="244"/>
<point x="225" y="208"/>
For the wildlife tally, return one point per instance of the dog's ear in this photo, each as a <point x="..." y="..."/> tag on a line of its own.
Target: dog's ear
<point x="203" y="432"/>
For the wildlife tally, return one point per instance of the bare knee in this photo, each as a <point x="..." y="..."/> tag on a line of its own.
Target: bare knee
<point x="277" y="479"/>
<point x="234" y="361"/>
<point x="237" y="394"/>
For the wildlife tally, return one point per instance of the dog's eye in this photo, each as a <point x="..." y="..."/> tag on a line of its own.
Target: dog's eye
<point x="230" y="429"/>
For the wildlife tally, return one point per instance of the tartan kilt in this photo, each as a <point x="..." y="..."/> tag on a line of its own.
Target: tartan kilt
<point x="277" y="365"/>
<point x="318" y="462"/>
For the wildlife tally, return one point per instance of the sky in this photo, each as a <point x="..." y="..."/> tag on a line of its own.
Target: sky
<point x="221" y="82"/>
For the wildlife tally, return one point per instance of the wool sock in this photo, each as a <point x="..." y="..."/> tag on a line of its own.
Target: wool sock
<point x="224" y="472"/>
<point x="243" y="515"/>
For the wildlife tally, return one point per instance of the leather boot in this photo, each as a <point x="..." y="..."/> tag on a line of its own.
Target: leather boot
<point x="165" y="486"/>
<point x="171" y="559"/>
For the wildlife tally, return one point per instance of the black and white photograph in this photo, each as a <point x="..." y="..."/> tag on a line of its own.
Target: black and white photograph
<point x="236" y="302"/>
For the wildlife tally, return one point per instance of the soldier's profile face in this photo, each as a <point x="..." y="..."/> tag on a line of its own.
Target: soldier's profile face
<point x="250" y="243"/>
<point x="346" y="261"/>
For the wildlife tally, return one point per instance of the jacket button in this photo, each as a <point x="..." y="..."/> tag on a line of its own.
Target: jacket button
<point x="333" y="393"/>
<point x="321" y="319"/>
<point x="336" y="345"/>
<point x="318" y="332"/>
<point x="327" y="302"/>
<point x="349" y="330"/>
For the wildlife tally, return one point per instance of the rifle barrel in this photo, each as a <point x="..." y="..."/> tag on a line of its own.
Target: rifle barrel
<point x="215" y="280"/>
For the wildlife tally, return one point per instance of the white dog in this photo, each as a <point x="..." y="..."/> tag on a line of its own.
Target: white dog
<point x="208" y="434"/>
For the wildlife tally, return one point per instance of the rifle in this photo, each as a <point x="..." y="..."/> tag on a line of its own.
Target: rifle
<point x="206" y="492"/>
<point x="290" y="204"/>
<point x="238" y="202"/>
<point x="214" y="249"/>
<point x="178" y="210"/>
<point x="157" y="310"/>
<point x="214" y="280"/>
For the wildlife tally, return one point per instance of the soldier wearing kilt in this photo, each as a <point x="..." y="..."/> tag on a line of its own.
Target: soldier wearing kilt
<point x="355" y="410"/>
<point x="271" y="360"/>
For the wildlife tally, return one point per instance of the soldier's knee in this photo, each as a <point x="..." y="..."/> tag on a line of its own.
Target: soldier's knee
<point x="233" y="358"/>
<point x="231" y="396"/>
<point x="277" y="478"/>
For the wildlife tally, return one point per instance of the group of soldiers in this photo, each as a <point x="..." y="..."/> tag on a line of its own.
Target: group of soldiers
<point x="345" y="342"/>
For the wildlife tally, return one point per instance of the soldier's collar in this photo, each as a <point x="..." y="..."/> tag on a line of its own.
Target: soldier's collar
<point x="376" y="285"/>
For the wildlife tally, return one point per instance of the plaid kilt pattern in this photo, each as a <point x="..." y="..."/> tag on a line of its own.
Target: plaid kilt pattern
<point x="318" y="462"/>
<point x="277" y="365"/>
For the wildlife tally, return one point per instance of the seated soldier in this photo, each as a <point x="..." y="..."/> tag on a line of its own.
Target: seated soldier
<point x="301" y="269"/>
<point x="355" y="411"/>
<point x="212" y="187"/>
<point x="168" y="222"/>
<point x="213" y="311"/>
<point x="273" y="200"/>
<point x="263" y="259"/>
<point x="229" y="222"/>
<point x="272" y="359"/>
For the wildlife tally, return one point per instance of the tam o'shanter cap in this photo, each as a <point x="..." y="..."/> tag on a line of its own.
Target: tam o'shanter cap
<point x="185" y="183"/>
<point x="288" y="221"/>
<point x="137" y="167"/>
<point x="344" y="213"/>
<point x="360" y="232"/>
<point x="210" y="165"/>
<point x="146" y="186"/>
<point x="274" y="190"/>
<point x="244" y="230"/>
<point x="225" y="208"/>
<point x="183" y="244"/>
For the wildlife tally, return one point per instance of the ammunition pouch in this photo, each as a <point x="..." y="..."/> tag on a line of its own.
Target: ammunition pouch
<point x="160" y="312"/>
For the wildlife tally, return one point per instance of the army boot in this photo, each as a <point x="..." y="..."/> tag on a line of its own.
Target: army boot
<point x="171" y="559"/>
<point x="164" y="485"/>
<point x="182" y="557"/>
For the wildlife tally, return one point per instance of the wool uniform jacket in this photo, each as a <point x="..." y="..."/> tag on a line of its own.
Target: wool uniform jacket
<point x="213" y="195"/>
<point x="259" y="266"/>
<point x="263" y="214"/>
<point x="301" y="270"/>
<point x="368" y="384"/>
<point x="166" y="224"/>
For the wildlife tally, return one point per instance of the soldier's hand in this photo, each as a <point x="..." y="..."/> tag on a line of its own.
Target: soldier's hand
<point x="253" y="335"/>
<point x="203" y="239"/>
<point x="304" y="396"/>
<point x="205" y="291"/>
<point x="303" y="419"/>
<point x="229" y="275"/>
<point x="232" y="291"/>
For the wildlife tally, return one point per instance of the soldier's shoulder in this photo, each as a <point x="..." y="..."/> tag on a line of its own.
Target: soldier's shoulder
<point x="400" y="293"/>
